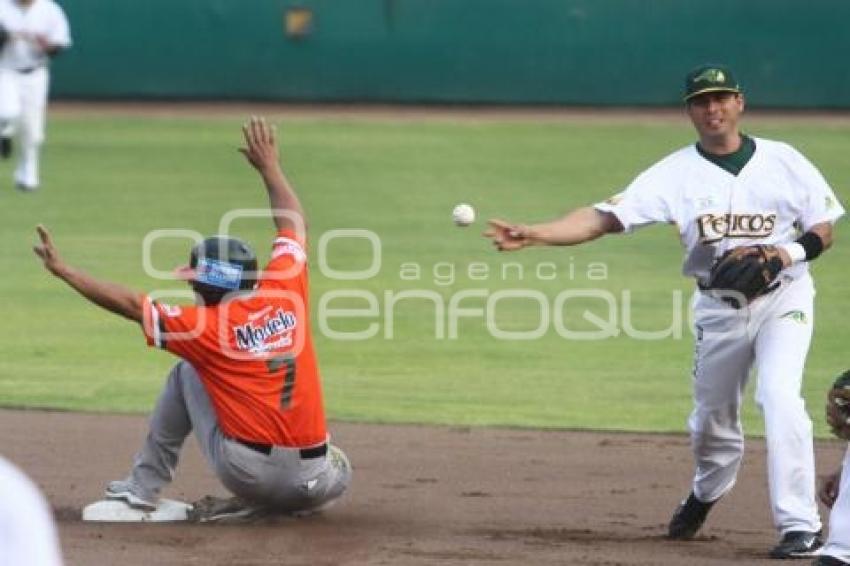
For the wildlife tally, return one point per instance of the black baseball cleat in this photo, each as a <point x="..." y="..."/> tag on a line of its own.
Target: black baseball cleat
<point x="798" y="544"/>
<point x="5" y="147"/>
<point x="825" y="560"/>
<point x="688" y="518"/>
<point x="226" y="510"/>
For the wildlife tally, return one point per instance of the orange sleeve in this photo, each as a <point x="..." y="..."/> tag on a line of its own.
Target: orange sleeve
<point x="171" y="327"/>
<point x="288" y="261"/>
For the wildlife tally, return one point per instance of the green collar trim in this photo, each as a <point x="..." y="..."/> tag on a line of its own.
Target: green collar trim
<point x="732" y="162"/>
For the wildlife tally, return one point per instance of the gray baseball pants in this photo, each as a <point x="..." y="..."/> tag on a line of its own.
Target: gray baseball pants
<point x="282" y="479"/>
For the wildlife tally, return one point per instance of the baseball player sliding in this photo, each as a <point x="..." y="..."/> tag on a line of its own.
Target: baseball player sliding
<point x="248" y="382"/>
<point x="33" y="32"/>
<point x="753" y="306"/>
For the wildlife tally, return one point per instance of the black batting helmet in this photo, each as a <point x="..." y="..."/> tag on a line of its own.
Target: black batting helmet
<point x="220" y="265"/>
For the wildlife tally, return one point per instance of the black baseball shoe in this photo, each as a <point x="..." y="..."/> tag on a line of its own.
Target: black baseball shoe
<point x="798" y="544"/>
<point x="688" y="518"/>
<point x="5" y="147"/>
<point x="825" y="560"/>
<point x="226" y="510"/>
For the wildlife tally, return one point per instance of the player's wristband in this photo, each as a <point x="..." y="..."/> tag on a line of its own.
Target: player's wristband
<point x="812" y="244"/>
<point x="795" y="251"/>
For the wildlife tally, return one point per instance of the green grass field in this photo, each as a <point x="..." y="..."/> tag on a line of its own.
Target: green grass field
<point x="109" y="181"/>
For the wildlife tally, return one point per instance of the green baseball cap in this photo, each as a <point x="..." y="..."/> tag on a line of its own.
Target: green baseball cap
<point x="710" y="78"/>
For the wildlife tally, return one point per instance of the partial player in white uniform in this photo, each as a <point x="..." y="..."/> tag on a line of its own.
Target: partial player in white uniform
<point x="835" y="493"/>
<point x="835" y="489"/>
<point x="36" y="31"/>
<point x="27" y="533"/>
<point x="731" y="190"/>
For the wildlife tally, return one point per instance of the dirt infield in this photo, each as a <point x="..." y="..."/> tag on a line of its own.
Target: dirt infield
<point x="421" y="496"/>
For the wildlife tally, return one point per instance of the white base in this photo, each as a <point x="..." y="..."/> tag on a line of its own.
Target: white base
<point x="115" y="511"/>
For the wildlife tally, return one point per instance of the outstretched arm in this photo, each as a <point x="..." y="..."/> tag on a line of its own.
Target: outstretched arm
<point x="111" y="296"/>
<point x="262" y="153"/>
<point x="576" y="227"/>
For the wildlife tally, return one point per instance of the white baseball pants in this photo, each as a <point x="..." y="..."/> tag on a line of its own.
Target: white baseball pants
<point x="23" y="107"/>
<point x="838" y="542"/>
<point x="771" y="335"/>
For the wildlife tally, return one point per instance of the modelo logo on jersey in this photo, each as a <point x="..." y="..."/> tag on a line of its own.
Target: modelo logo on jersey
<point x="715" y="227"/>
<point x="255" y="337"/>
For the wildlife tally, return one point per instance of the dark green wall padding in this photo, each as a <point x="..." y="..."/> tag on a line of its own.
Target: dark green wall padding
<point x="787" y="53"/>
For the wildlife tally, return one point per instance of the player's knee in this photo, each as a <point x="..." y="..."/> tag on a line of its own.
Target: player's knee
<point x="716" y="430"/>
<point x="721" y="449"/>
<point x="342" y="468"/>
<point x="335" y="482"/>
<point x="717" y="419"/>
<point x="774" y="401"/>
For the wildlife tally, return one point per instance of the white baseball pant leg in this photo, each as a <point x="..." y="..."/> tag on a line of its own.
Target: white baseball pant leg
<point x="34" y="87"/>
<point x="723" y="356"/>
<point x="838" y="542"/>
<point x="784" y="334"/>
<point x="10" y="102"/>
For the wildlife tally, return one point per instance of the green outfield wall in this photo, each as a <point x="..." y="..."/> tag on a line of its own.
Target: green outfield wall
<point x="788" y="53"/>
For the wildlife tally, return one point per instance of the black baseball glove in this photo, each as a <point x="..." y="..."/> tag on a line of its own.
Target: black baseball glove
<point x="745" y="273"/>
<point x="838" y="406"/>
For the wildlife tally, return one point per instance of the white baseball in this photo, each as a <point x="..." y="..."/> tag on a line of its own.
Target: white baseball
<point x="463" y="214"/>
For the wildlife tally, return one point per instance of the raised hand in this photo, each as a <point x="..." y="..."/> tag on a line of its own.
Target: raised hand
<point x="47" y="252"/>
<point x="260" y="145"/>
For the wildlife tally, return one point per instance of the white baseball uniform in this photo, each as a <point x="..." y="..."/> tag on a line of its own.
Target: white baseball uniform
<point x="777" y="195"/>
<point x="838" y="542"/>
<point x="27" y="533"/>
<point x="24" y="77"/>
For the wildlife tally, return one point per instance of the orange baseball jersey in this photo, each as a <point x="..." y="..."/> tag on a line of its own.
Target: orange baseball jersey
<point x="253" y="353"/>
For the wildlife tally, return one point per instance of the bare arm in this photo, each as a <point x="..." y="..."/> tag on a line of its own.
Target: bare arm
<point x="111" y="296"/>
<point x="824" y="230"/>
<point x="576" y="227"/>
<point x="262" y="153"/>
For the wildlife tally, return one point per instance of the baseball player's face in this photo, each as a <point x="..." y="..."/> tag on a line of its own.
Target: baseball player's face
<point x="715" y="114"/>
